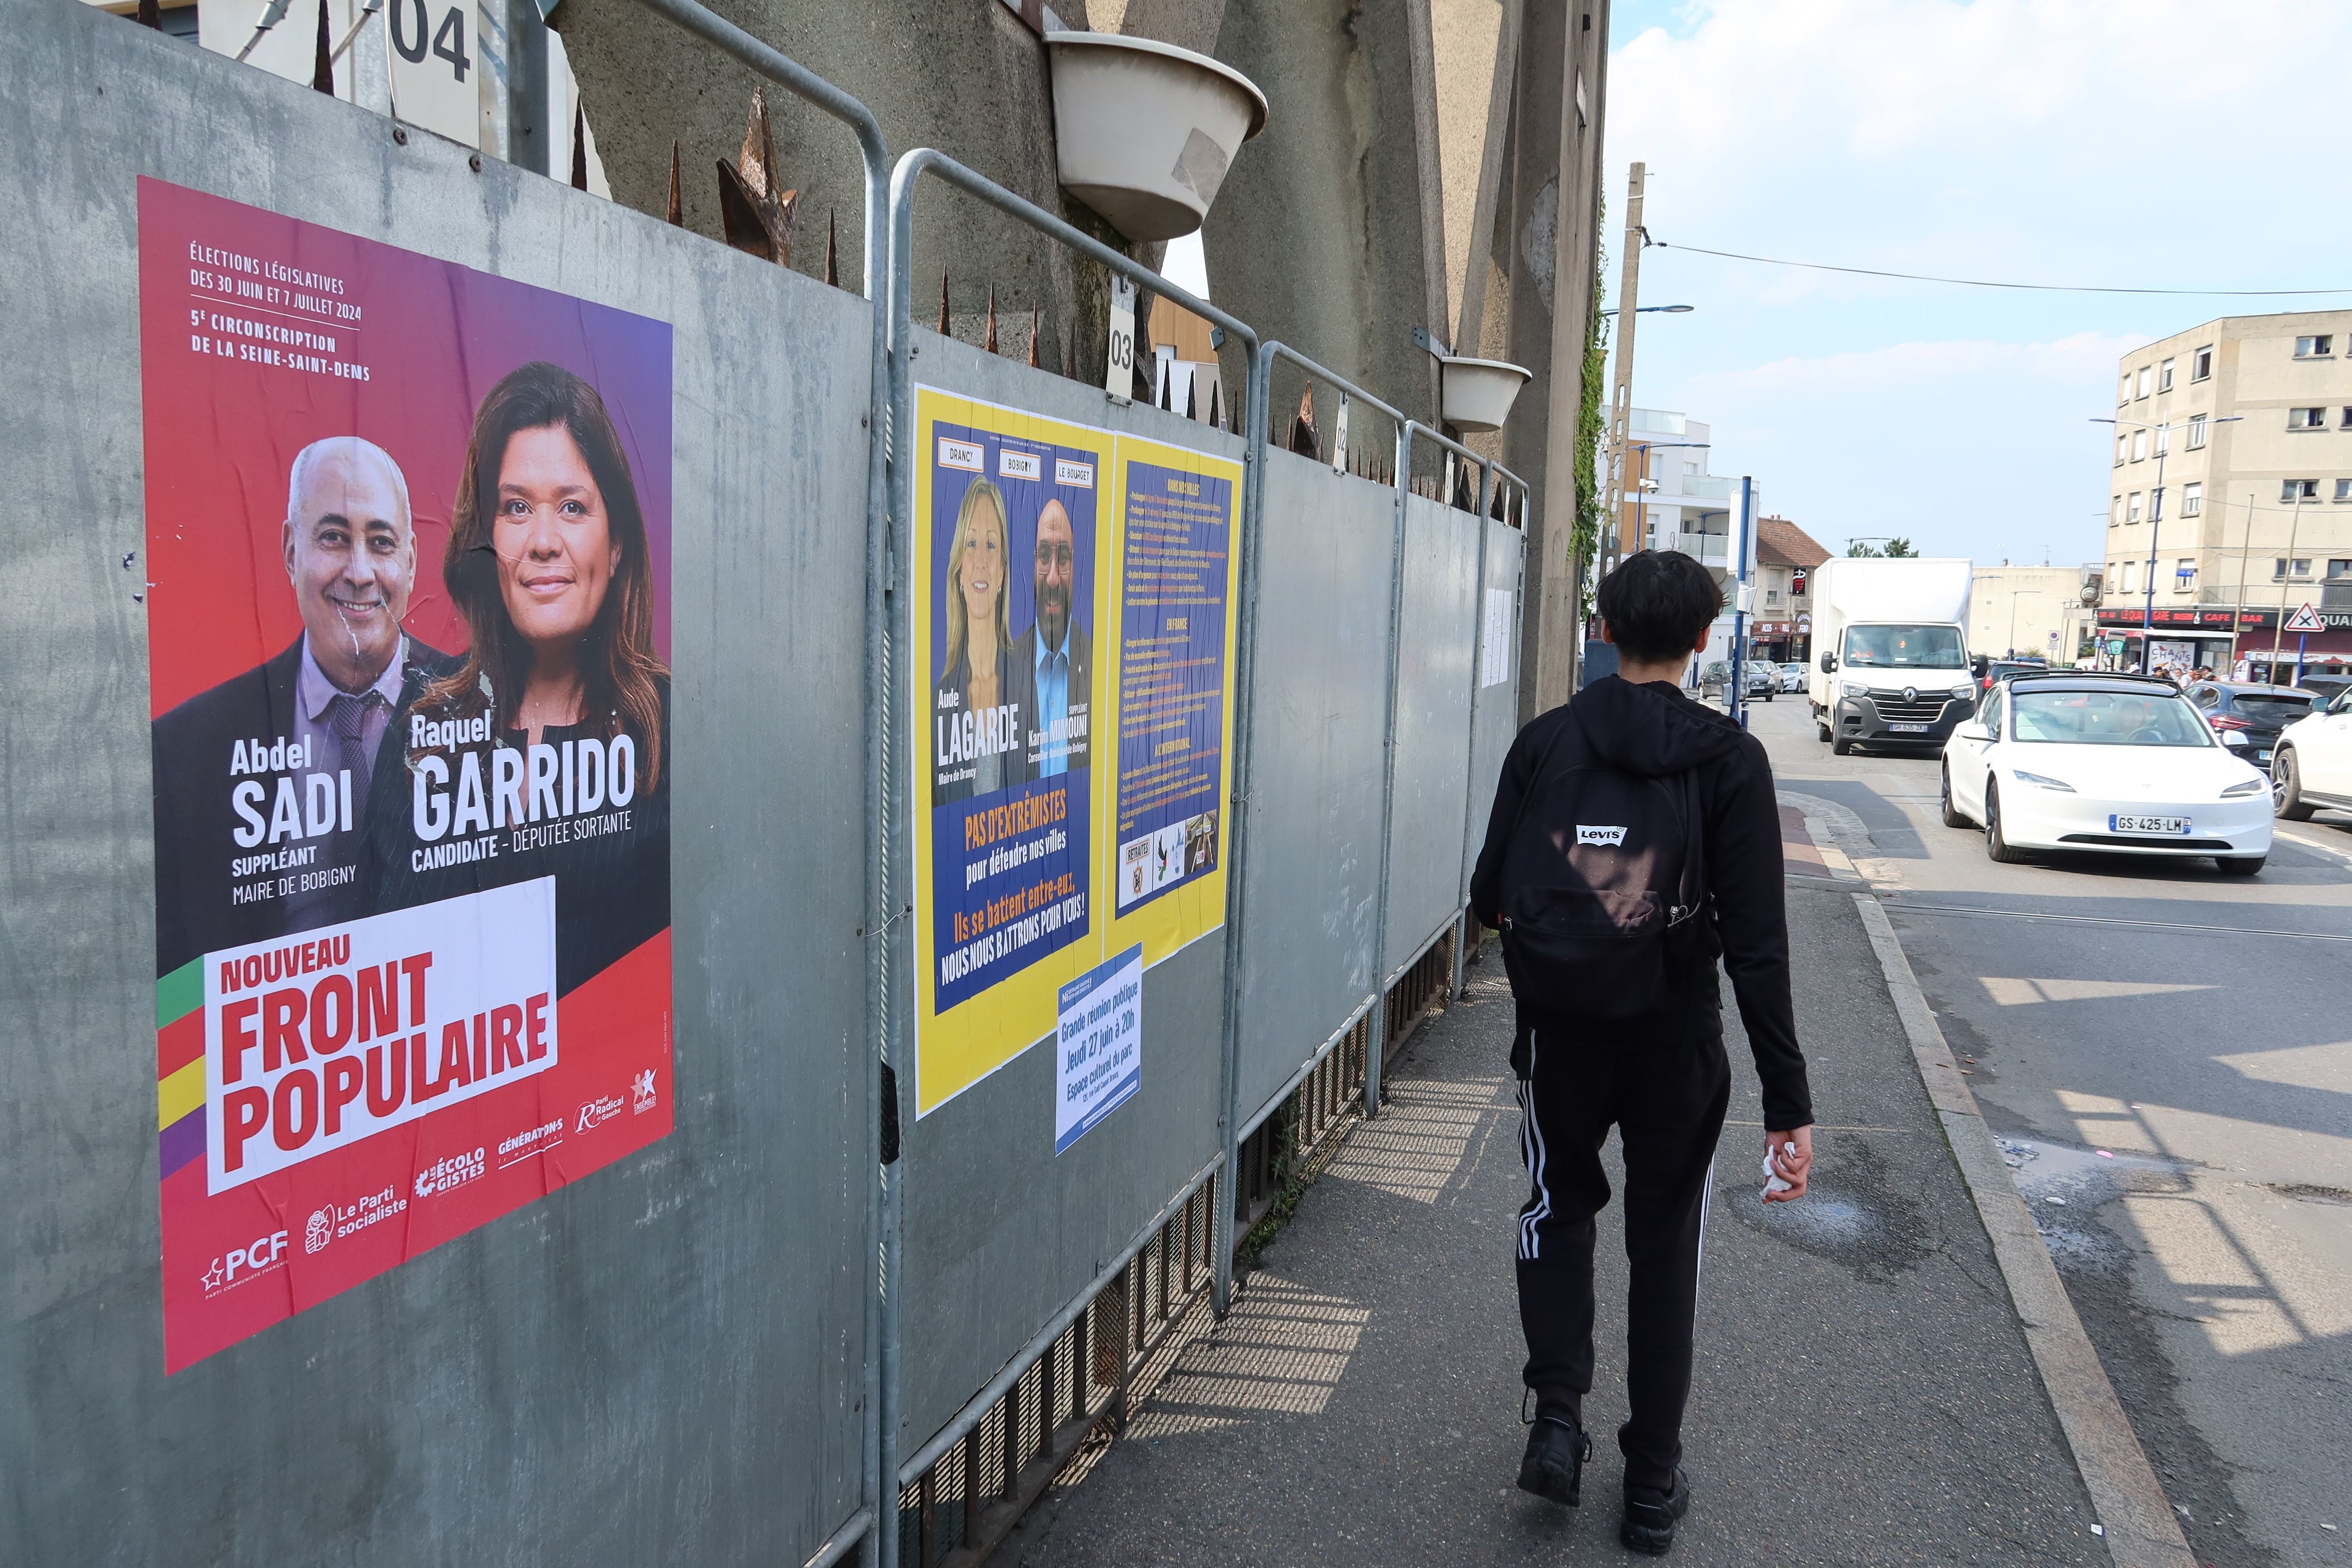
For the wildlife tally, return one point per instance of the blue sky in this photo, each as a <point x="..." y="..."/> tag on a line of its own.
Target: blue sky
<point x="2158" y="143"/>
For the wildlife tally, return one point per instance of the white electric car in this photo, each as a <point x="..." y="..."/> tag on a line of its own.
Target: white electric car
<point x="2108" y="763"/>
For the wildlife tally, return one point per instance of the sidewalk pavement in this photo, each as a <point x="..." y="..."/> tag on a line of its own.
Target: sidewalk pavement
<point x="1863" y="1389"/>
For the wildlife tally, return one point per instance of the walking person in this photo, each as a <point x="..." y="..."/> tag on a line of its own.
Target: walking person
<point x="1636" y="839"/>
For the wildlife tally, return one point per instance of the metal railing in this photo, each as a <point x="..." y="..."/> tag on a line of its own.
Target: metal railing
<point x="905" y="181"/>
<point x="1070" y="1339"/>
<point x="874" y="153"/>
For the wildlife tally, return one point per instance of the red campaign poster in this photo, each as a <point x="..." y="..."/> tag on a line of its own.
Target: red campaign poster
<point x="408" y="567"/>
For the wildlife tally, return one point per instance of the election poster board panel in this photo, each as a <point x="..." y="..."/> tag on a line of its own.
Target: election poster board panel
<point x="1178" y="561"/>
<point x="408" y="589"/>
<point x="1005" y="684"/>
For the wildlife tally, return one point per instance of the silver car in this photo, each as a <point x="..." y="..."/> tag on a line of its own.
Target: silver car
<point x="1793" y="677"/>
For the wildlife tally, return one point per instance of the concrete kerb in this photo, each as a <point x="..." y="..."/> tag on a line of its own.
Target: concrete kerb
<point x="2135" y="1519"/>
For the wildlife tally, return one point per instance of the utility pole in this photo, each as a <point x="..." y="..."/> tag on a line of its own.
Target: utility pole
<point x="2237" y="607"/>
<point x="1610" y="546"/>
<point x="2286" y="581"/>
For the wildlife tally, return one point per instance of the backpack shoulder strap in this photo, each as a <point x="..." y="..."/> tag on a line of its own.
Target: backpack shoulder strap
<point x="1543" y="761"/>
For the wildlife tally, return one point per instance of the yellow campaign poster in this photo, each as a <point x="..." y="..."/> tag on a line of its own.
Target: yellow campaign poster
<point x="1061" y="573"/>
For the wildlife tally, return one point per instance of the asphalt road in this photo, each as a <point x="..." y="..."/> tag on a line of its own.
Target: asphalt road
<point x="2172" y="1066"/>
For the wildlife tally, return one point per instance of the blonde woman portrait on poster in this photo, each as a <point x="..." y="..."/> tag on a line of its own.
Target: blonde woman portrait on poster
<point x="980" y="706"/>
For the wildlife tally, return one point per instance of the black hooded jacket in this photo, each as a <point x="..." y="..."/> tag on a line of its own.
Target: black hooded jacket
<point x="1652" y="732"/>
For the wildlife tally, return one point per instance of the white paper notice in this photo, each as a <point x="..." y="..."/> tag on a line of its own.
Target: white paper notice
<point x="1495" y="641"/>
<point x="1099" y="1051"/>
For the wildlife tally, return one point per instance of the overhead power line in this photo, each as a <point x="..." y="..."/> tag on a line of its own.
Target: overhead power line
<point x="1988" y="283"/>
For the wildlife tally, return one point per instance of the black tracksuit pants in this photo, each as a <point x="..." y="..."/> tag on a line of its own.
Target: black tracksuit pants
<point x="1668" y="1097"/>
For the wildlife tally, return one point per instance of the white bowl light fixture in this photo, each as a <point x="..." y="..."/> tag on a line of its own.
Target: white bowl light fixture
<point x="1147" y="130"/>
<point x="1478" y="394"/>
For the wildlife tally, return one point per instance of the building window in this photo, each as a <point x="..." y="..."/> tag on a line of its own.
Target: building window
<point x="2163" y="433"/>
<point x="2306" y="418"/>
<point x="1771" y="596"/>
<point x="2201" y="368"/>
<point x="2283" y="567"/>
<point x="2344" y="489"/>
<point x="2293" y="491"/>
<point x="2196" y="432"/>
<point x="2339" y="569"/>
<point x="2320" y="347"/>
<point x="2123" y="393"/>
<point x="2184" y="574"/>
<point x="2131" y="569"/>
<point x="2117" y="512"/>
<point x="2143" y="373"/>
<point x="2164" y="376"/>
<point x="2131" y="507"/>
<point x="2139" y="444"/>
<point x="2192" y="500"/>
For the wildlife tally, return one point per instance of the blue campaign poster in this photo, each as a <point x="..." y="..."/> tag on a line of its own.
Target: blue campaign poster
<point x="1172" y="681"/>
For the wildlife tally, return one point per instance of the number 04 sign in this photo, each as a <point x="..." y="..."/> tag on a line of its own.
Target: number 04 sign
<point x="432" y="46"/>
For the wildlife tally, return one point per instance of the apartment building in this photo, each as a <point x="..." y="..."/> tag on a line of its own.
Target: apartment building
<point x="2230" y="504"/>
<point x="1785" y="558"/>
<point x="1675" y="504"/>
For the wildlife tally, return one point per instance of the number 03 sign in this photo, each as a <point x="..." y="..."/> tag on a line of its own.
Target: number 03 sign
<point x="435" y="83"/>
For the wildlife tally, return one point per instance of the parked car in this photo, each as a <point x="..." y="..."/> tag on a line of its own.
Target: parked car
<point x="2001" y="670"/>
<point x="2257" y="712"/>
<point x="1759" y="678"/>
<point x="2312" y="764"/>
<point x="1793" y="677"/>
<point x="2118" y="765"/>
<point x="2326" y="687"/>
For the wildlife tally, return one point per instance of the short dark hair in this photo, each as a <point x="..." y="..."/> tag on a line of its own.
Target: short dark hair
<point x="1656" y="604"/>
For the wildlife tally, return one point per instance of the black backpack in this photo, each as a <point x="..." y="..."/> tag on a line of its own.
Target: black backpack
<point x="1601" y="884"/>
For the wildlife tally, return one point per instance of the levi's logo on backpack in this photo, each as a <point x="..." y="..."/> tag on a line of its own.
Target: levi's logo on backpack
<point x="1601" y="882"/>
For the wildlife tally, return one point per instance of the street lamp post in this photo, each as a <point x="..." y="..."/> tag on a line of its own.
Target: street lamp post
<point x="2155" y="519"/>
<point x="2015" y="595"/>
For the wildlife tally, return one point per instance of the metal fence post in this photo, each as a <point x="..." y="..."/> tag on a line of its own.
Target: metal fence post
<point x="1374" y="1062"/>
<point x="1256" y="402"/>
<point x="881" y="1513"/>
<point x="1470" y="759"/>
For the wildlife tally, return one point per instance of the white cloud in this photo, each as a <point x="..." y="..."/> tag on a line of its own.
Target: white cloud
<point x="2134" y="142"/>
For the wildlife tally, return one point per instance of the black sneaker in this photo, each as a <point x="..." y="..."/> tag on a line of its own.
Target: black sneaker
<point x="1554" y="1465"/>
<point x="1651" y="1516"/>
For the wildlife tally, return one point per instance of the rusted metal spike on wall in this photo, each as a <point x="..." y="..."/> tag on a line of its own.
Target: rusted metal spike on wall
<point x="677" y="194"/>
<point x="832" y="253"/>
<point x="1192" y="398"/>
<point x="988" y="338"/>
<point x="322" y="70"/>
<point x="1034" y="361"/>
<point x="579" y="148"/>
<point x="944" y="329"/>
<point x="1217" y="405"/>
<point x="1303" y="437"/>
<point x="757" y="217"/>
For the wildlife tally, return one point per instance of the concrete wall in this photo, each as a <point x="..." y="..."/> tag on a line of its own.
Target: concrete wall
<point x="967" y="78"/>
<point x="1317" y="238"/>
<point x="1545" y="248"/>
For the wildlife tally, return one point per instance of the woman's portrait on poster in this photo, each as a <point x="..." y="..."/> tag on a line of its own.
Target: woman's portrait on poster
<point x="979" y="707"/>
<point x="553" y="735"/>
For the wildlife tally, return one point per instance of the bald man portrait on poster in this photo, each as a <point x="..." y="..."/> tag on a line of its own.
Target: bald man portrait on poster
<point x="261" y="784"/>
